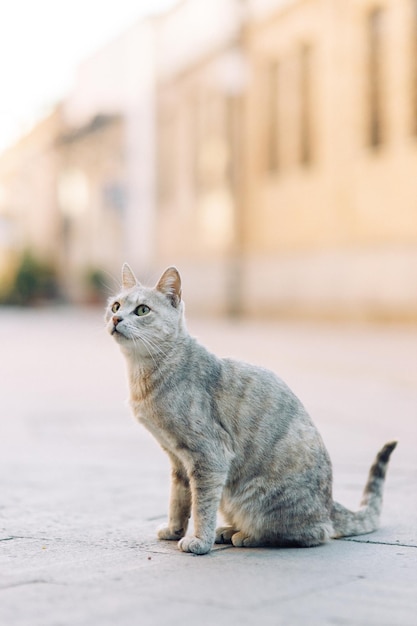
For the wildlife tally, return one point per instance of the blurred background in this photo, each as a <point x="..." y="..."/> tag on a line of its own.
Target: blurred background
<point x="267" y="148"/>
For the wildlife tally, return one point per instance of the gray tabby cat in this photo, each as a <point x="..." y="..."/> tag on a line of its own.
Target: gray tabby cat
<point x="238" y="439"/>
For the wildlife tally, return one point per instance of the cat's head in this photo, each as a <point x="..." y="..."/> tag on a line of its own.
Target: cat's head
<point x="146" y="320"/>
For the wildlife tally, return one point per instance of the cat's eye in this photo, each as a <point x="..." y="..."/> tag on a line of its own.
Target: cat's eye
<point x="142" y="309"/>
<point x="115" y="307"/>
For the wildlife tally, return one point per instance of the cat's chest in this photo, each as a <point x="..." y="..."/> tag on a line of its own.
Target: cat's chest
<point x="158" y="423"/>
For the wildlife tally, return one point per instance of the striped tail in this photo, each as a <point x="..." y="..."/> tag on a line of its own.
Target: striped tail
<point x="347" y="523"/>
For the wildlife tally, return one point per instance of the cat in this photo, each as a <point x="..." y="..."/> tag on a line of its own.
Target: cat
<point x="237" y="437"/>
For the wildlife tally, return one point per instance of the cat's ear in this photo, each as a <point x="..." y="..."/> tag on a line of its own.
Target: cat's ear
<point x="170" y="285"/>
<point x="128" y="278"/>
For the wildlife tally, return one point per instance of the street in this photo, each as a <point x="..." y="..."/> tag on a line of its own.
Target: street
<point x="83" y="487"/>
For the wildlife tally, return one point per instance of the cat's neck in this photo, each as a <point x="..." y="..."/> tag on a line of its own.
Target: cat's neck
<point x="142" y="380"/>
<point x="146" y="374"/>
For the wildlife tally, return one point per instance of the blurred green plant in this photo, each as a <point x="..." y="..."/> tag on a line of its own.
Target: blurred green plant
<point x="34" y="282"/>
<point x="96" y="285"/>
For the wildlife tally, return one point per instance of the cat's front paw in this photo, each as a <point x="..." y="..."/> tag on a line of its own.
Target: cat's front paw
<point x="166" y="533"/>
<point x="195" y="545"/>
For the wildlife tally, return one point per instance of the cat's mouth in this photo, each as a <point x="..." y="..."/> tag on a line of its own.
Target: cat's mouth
<point x="117" y="334"/>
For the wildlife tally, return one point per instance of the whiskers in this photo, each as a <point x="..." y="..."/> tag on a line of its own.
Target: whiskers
<point x="152" y="345"/>
<point x="155" y="352"/>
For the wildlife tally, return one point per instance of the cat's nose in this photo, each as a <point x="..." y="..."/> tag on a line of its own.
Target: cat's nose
<point x="116" y="319"/>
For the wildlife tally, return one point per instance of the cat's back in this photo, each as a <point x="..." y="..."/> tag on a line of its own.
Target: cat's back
<point x="236" y="389"/>
<point x="257" y="390"/>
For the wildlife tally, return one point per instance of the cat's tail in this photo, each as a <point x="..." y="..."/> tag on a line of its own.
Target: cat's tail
<point x="347" y="523"/>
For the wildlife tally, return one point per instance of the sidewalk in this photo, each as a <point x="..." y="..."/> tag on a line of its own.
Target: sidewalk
<point x="83" y="487"/>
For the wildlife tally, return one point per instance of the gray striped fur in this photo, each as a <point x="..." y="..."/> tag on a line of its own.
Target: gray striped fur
<point x="238" y="439"/>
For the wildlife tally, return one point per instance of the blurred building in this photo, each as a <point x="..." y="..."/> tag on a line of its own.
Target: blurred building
<point x="287" y="155"/>
<point x="119" y="81"/>
<point x="91" y="192"/>
<point x="331" y="169"/>
<point x="201" y="73"/>
<point x="78" y="192"/>
<point x="29" y="216"/>
<point x="266" y="147"/>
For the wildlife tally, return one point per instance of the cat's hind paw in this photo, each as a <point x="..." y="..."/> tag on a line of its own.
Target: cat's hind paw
<point x="224" y="534"/>
<point x="166" y="533"/>
<point x="194" y="545"/>
<point x="240" y="540"/>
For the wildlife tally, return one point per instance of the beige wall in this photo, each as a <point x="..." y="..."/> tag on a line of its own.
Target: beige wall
<point x="350" y="193"/>
<point x="340" y="232"/>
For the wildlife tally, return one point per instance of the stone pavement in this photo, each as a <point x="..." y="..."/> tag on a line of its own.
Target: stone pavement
<point x="82" y="486"/>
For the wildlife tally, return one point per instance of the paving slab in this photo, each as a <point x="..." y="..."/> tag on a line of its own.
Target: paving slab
<point x="83" y="487"/>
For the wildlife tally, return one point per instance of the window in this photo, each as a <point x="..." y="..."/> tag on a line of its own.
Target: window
<point x="194" y="140"/>
<point x="167" y="158"/>
<point x="272" y="117"/>
<point x="289" y="121"/>
<point x="305" y="126"/>
<point x="375" y="129"/>
<point x="414" y="66"/>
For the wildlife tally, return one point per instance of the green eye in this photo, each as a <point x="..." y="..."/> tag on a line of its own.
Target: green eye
<point x="115" y="307"/>
<point x="142" y="309"/>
